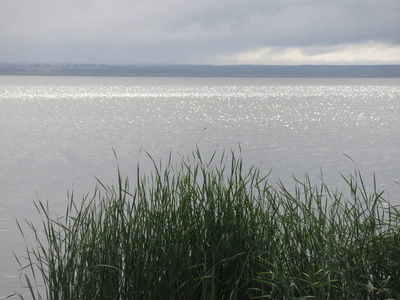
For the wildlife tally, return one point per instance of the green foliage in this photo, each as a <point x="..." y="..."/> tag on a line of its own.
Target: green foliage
<point x="210" y="230"/>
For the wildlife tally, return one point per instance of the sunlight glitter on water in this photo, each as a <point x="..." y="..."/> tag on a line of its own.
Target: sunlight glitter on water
<point x="58" y="133"/>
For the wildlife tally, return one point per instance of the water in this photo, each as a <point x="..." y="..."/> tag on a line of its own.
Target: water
<point x="57" y="133"/>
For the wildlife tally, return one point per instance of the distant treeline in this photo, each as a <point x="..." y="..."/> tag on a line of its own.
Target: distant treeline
<point x="380" y="71"/>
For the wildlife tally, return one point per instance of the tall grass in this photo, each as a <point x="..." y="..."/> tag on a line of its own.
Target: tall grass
<point x="211" y="230"/>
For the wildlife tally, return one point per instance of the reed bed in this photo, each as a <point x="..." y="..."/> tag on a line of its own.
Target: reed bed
<point x="207" y="229"/>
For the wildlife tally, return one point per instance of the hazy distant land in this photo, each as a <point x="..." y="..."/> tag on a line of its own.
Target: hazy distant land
<point x="380" y="71"/>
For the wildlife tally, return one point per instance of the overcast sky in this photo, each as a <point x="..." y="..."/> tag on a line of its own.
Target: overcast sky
<point x="200" y="31"/>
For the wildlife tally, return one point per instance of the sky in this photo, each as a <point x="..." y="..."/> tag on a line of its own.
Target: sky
<point x="220" y="32"/>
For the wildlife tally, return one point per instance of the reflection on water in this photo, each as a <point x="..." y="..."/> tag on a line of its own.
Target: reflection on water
<point x="57" y="133"/>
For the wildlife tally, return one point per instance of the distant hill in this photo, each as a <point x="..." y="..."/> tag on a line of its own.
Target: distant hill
<point x="380" y="71"/>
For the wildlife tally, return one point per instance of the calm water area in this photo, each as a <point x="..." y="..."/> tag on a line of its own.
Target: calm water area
<point x="58" y="133"/>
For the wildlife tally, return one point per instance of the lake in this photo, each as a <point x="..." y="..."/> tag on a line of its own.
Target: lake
<point x="58" y="133"/>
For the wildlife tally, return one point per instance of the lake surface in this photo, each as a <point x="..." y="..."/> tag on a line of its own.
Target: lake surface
<point x="58" y="133"/>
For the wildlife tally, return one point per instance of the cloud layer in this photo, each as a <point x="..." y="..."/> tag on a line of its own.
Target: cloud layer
<point x="363" y="53"/>
<point x="201" y="31"/>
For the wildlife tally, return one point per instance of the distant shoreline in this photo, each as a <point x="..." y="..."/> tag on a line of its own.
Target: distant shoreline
<point x="327" y="71"/>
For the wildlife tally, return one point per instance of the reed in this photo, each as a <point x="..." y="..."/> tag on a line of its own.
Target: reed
<point x="208" y="229"/>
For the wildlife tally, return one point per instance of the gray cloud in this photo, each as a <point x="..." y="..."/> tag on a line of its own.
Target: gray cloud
<point x="183" y="31"/>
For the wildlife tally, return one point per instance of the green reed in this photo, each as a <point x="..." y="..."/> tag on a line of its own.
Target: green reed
<point x="208" y="229"/>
